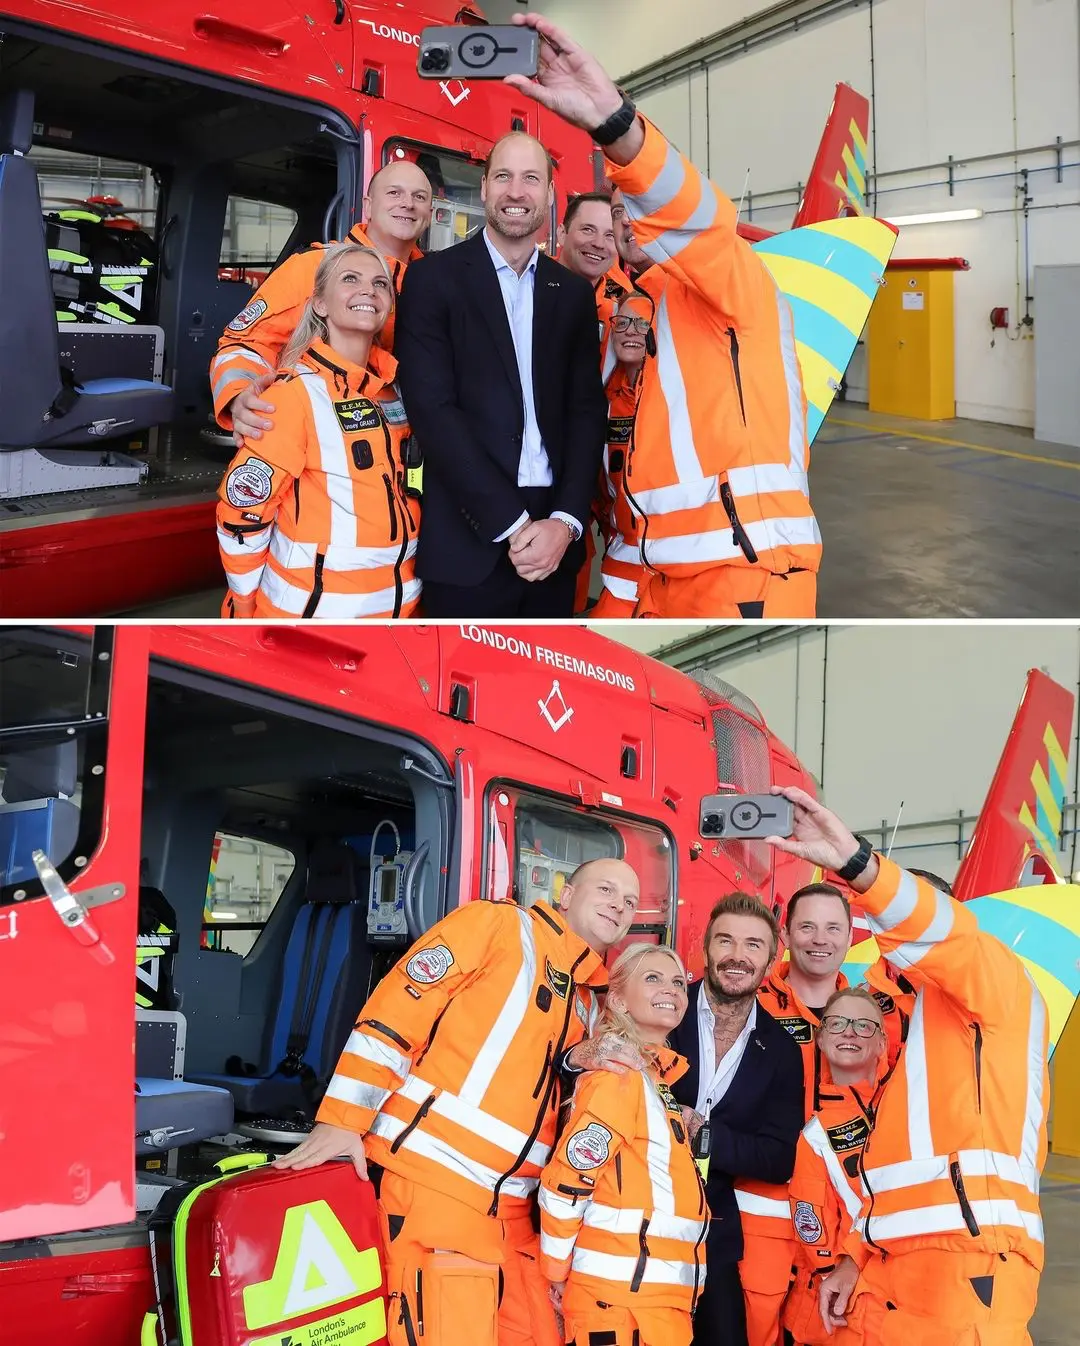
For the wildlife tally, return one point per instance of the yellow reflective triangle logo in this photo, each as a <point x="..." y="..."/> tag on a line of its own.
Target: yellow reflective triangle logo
<point x="316" y="1266"/>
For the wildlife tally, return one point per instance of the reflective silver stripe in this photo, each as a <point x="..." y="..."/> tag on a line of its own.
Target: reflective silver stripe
<point x="253" y="544"/>
<point x="752" y="1203"/>
<point x="377" y="1051"/>
<point x="234" y="353"/>
<point x="562" y="1207"/>
<point x="234" y="376"/>
<point x="680" y="430"/>
<point x="293" y="599"/>
<point x="245" y="583"/>
<point x="613" y="1220"/>
<point x="357" y="1093"/>
<point x="620" y="588"/>
<point x="658" y="1152"/>
<point x="1034" y="1107"/>
<point x="941" y="923"/>
<point x="942" y="1219"/>
<point x="334" y="461"/>
<point x="765" y="479"/>
<point x="666" y="186"/>
<point x="920" y="1141"/>
<point x="482" y="1124"/>
<point x="430" y="1147"/>
<point x="621" y="550"/>
<point x="610" y="361"/>
<point x="556" y="1248"/>
<point x="973" y="1164"/>
<point x="507" y="1021"/>
<point x="899" y="907"/>
<point x="293" y="555"/>
<point x="612" y="1267"/>
<point x="793" y="379"/>
<point x="719" y="545"/>
<point x="818" y="1141"/>
<point x="672" y="241"/>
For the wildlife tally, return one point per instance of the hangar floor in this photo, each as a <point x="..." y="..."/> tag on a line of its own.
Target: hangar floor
<point x="947" y="519"/>
<point x="1055" y="1322"/>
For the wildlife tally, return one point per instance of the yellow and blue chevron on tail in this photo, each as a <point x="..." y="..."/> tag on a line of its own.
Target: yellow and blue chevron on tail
<point x="830" y="274"/>
<point x="837" y="183"/>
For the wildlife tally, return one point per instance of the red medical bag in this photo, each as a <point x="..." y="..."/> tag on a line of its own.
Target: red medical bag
<point x="268" y="1257"/>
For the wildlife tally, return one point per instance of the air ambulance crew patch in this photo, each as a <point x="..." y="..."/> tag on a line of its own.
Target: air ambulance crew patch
<point x="799" y="1028"/>
<point x="620" y="428"/>
<point x="848" y="1135"/>
<point x="248" y="317"/>
<point x="430" y="965"/>
<point x="249" y="484"/>
<point x="885" y="1002"/>
<point x="558" y="981"/>
<point x="358" y="413"/>
<point x="807" y="1225"/>
<point x="589" y="1147"/>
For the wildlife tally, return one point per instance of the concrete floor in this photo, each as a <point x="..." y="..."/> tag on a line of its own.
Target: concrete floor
<point x="1057" y="1319"/>
<point x="947" y="519"/>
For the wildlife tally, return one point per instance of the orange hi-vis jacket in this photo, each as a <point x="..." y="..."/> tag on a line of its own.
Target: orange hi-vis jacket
<point x="622" y="1206"/>
<point x="825" y="1198"/>
<point x="610" y="289"/>
<point x="621" y="570"/>
<point x="718" y="473"/>
<point x="451" y="1072"/>
<point x="960" y="1137"/>
<point x="251" y="344"/>
<point x="896" y="997"/>
<point x="763" y="1206"/>
<point x="313" y="520"/>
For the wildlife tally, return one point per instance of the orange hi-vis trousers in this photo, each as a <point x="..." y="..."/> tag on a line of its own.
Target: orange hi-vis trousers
<point x="730" y="592"/>
<point x="456" y="1277"/>
<point x="933" y="1297"/>
<point x="588" y="1323"/>
<point x="765" y="1273"/>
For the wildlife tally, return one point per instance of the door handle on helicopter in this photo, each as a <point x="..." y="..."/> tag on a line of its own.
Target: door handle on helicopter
<point x="71" y="910"/>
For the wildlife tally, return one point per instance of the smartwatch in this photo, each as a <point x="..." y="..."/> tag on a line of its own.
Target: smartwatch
<point x="858" y="861"/>
<point x="616" y="125"/>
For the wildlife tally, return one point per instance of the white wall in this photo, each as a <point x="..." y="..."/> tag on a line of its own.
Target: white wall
<point x="943" y="73"/>
<point x="917" y="714"/>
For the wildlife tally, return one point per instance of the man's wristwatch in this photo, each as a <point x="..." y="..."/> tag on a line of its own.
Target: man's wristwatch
<point x="858" y="861"/>
<point x="571" y="528"/>
<point x="616" y="125"/>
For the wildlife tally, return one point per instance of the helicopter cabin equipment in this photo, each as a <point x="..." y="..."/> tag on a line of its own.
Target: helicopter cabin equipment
<point x="386" y="897"/>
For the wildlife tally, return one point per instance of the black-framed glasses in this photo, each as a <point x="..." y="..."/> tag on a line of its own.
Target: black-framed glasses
<point x="622" y="322"/>
<point x="836" y="1023"/>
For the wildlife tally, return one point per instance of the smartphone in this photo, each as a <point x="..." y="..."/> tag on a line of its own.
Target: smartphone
<point x="478" y="52"/>
<point x="744" y="817"/>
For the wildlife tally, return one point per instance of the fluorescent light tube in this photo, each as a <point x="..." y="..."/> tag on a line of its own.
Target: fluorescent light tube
<point x="935" y="217"/>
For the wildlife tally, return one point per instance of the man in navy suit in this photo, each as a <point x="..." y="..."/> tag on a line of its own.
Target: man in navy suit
<point x="746" y="1081"/>
<point x="499" y="364"/>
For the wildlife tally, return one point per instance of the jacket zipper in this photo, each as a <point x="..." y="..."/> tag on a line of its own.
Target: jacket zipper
<point x="738" y="372"/>
<point x="703" y="1212"/>
<point x="421" y="1112"/>
<point x="546" y="1099"/>
<point x="296" y="497"/>
<point x="638" y="511"/>
<point x="870" y="1211"/>
<point x="395" y="508"/>
<point x="392" y="511"/>
<point x="406" y="1317"/>
<point x="738" y="532"/>
<point x="618" y="1170"/>
<point x="317" y="588"/>
<point x="240" y="530"/>
<point x="961" y="1195"/>
<point x="978" y="1066"/>
<point x="543" y="1073"/>
<point x="643" y="1257"/>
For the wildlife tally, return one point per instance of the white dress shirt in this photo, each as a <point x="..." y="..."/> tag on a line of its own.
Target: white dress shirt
<point x="534" y="468"/>
<point x="714" y="1076"/>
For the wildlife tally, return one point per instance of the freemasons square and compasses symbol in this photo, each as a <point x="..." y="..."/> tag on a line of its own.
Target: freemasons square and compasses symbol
<point x="552" y="703"/>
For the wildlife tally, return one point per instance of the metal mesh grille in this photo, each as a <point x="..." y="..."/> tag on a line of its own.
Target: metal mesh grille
<point x="742" y="767"/>
<point x="717" y="692"/>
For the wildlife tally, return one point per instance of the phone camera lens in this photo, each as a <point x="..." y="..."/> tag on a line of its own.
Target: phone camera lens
<point x="711" y="824"/>
<point x="436" y="59"/>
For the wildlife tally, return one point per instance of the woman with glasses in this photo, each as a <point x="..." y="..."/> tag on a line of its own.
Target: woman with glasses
<point x="825" y="1194"/>
<point x="633" y="341"/>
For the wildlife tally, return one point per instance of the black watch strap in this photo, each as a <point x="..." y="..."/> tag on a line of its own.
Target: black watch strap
<point x="858" y="861"/>
<point x="616" y="125"/>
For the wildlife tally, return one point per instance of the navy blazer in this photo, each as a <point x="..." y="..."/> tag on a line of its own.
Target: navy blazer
<point x="754" y="1128"/>
<point x="459" y="378"/>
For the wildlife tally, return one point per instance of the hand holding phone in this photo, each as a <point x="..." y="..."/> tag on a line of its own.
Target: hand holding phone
<point x="471" y="52"/>
<point x="746" y="817"/>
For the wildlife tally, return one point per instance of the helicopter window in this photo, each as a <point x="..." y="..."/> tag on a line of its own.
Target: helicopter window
<point x="457" y="210"/>
<point x="247" y="876"/>
<point x="535" y="844"/>
<point x="255" y="235"/>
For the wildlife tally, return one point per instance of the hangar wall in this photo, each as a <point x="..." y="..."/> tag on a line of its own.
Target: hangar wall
<point x="919" y="714"/>
<point x="963" y="78"/>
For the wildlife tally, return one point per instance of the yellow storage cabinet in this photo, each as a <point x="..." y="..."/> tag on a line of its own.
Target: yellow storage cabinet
<point x="912" y="345"/>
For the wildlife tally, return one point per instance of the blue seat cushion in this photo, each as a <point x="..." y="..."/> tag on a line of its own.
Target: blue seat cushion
<point x="194" y="1112"/>
<point x="261" y="1096"/>
<point x="103" y="387"/>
